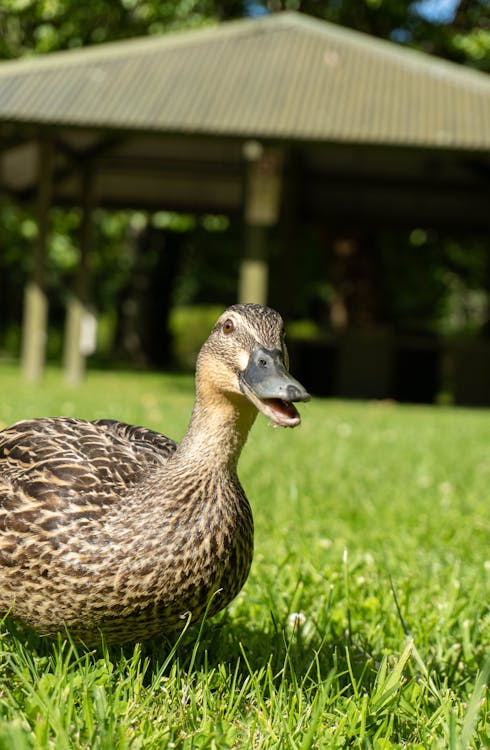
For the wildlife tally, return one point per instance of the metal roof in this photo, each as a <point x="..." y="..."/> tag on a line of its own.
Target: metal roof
<point x="283" y="76"/>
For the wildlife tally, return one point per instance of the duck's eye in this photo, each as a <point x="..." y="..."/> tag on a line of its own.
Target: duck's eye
<point x="228" y="326"/>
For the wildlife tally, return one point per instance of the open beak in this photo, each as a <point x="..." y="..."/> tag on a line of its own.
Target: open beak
<point x="269" y="386"/>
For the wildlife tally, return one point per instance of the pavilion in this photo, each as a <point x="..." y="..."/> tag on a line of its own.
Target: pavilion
<point x="241" y="118"/>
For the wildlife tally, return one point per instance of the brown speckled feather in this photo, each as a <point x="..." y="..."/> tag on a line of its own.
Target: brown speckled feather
<point x="116" y="531"/>
<point x="51" y="459"/>
<point x="83" y="551"/>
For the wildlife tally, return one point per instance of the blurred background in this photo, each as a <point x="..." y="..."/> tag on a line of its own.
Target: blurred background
<point x="384" y="283"/>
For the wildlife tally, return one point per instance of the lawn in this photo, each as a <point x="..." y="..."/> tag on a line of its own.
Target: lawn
<point x="364" y="623"/>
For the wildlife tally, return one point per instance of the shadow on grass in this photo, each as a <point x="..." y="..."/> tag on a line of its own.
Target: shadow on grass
<point x="292" y="654"/>
<point x="301" y="655"/>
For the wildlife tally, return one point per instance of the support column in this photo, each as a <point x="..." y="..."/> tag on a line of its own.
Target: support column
<point x="35" y="319"/>
<point x="80" y="322"/>
<point x="288" y="277"/>
<point x="262" y="203"/>
<point x="253" y="282"/>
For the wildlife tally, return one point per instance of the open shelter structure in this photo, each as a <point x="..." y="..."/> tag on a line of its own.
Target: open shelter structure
<point x="282" y="116"/>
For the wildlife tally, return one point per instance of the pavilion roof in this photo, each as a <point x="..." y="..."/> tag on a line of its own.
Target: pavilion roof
<point x="283" y="76"/>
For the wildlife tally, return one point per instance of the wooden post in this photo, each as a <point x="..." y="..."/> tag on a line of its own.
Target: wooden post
<point x="80" y="324"/>
<point x="253" y="281"/>
<point x="262" y="202"/>
<point x="35" y="321"/>
<point x="288" y="280"/>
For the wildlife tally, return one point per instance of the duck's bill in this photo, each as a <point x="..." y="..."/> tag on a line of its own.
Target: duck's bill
<point x="271" y="388"/>
<point x="280" y="412"/>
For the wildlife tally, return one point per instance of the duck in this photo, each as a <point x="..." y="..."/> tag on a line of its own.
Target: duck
<point x="115" y="533"/>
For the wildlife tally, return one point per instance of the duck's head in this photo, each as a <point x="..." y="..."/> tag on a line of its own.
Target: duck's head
<point x="245" y="355"/>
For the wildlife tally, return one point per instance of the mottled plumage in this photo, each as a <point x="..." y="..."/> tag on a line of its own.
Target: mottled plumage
<point x="113" y="530"/>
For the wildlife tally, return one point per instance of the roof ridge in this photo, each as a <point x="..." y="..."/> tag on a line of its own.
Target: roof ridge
<point x="244" y="27"/>
<point x="273" y="77"/>
<point x="385" y="46"/>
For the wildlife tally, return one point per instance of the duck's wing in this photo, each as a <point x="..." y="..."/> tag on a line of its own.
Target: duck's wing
<point x="147" y="445"/>
<point x="51" y="463"/>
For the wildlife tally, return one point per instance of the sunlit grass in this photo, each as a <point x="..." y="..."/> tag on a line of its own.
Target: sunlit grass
<point x="365" y="621"/>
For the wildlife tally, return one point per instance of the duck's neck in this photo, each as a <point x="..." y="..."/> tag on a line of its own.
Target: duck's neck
<point x="217" y="431"/>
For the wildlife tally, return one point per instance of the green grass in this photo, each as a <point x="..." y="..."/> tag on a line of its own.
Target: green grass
<point x="364" y="623"/>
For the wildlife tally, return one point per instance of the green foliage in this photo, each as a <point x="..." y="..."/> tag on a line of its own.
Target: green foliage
<point x="452" y="297"/>
<point x="474" y="46"/>
<point x="364" y="622"/>
<point x="40" y="26"/>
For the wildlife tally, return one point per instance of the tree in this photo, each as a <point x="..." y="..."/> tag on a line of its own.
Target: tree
<point x="36" y="26"/>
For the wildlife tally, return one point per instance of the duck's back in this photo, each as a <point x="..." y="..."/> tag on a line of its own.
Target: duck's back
<point x="90" y="538"/>
<point x="47" y="462"/>
<point x="61" y="479"/>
